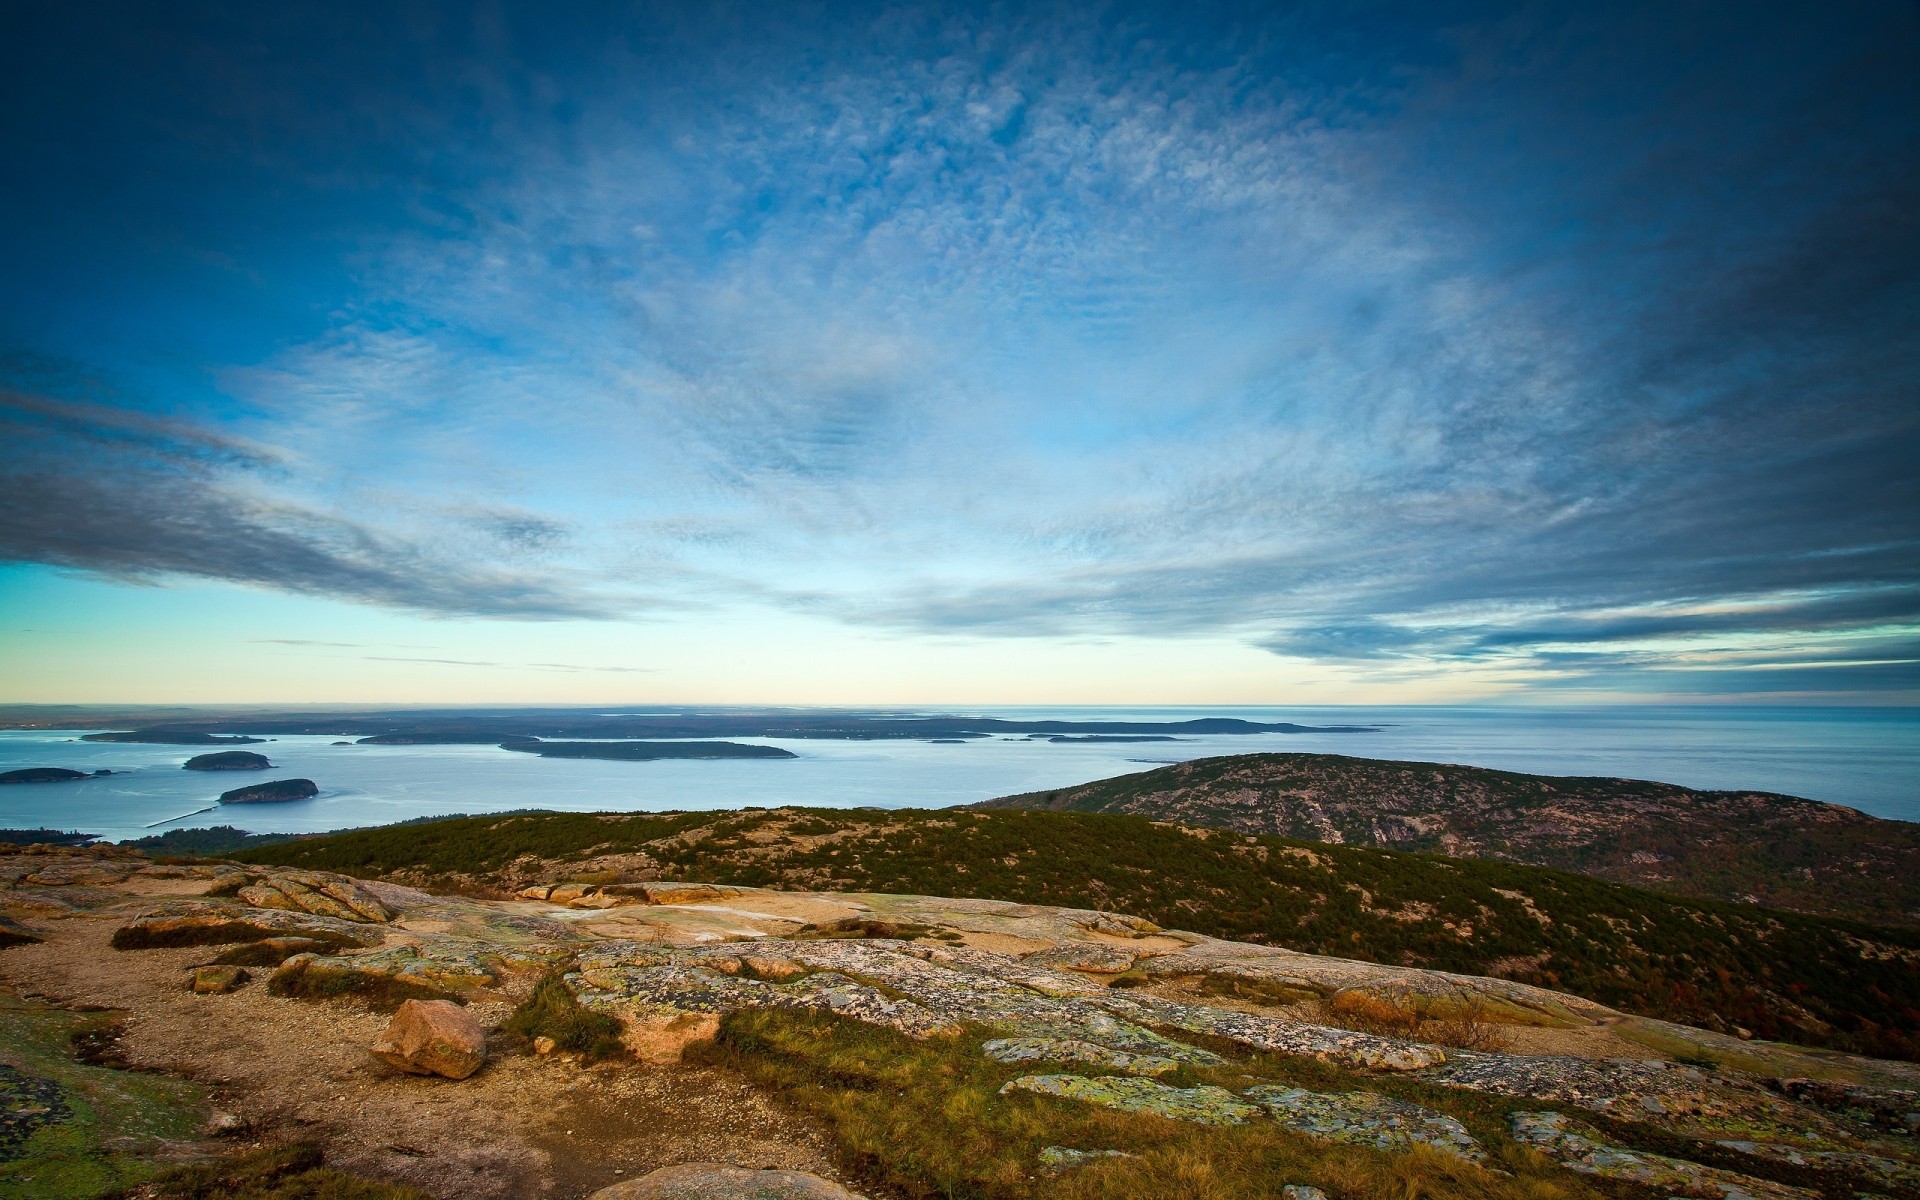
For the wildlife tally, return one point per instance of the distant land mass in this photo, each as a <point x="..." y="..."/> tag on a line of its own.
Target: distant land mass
<point x="1757" y="847"/>
<point x="644" y="751"/>
<point x="227" y="760"/>
<point x="170" y="737"/>
<point x="42" y="775"/>
<point x="466" y="727"/>
<point x="272" y="792"/>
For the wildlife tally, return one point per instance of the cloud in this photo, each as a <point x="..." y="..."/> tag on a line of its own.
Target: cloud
<point x="1563" y="345"/>
<point x="137" y="498"/>
<point x="467" y="662"/>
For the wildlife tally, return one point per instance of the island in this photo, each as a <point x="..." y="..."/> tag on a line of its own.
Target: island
<point x="171" y="737"/>
<point x="267" y="793"/>
<point x="46" y="775"/>
<point x="1105" y="737"/>
<point x="643" y="751"/>
<point x="227" y="760"/>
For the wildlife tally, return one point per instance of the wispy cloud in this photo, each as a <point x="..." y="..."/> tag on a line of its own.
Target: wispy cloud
<point x="139" y="499"/>
<point x="1562" y="346"/>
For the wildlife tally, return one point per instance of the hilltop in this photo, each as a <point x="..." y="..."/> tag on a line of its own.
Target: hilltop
<point x="1751" y="847"/>
<point x="1732" y="967"/>
<point x="236" y="1030"/>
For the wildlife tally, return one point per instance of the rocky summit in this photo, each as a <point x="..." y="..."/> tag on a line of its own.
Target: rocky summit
<point x="1088" y="1043"/>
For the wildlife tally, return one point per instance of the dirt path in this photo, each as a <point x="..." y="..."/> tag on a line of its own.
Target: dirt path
<point x="523" y="1127"/>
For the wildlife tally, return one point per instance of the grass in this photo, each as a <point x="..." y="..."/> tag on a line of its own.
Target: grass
<point x="551" y="1011"/>
<point x="927" y="1118"/>
<point x="95" y="1107"/>
<point x="276" y="1173"/>
<point x="1786" y="976"/>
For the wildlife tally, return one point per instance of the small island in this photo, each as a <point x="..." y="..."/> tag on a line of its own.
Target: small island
<point x="644" y="751"/>
<point x="1109" y="737"/>
<point x="227" y="760"/>
<point x="267" y="793"/>
<point x="45" y="775"/>
<point x="168" y="737"/>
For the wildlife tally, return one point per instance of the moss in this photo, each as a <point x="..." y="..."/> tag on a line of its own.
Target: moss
<point x="102" y="1121"/>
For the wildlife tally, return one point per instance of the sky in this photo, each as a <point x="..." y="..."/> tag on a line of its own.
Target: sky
<point x="960" y="354"/>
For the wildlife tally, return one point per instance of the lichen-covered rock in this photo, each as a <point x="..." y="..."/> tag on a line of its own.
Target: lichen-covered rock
<point x="715" y="1181"/>
<point x="1890" y="1108"/>
<point x="215" y="980"/>
<point x="435" y="967"/>
<point x="1060" y="1158"/>
<point x="1073" y="1050"/>
<point x="1098" y="958"/>
<point x="1886" y="1172"/>
<point x="319" y="892"/>
<point x="1365" y="1119"/>
<point x="1204" y="1105"/>
<point x="433" y="1037"/>
<point x="1301" y="1191"/>
<point x="1581" y="1149"/>
<point x="83" y="872"/>
<point x="213" y="923"/>
<point x="1324" y="1042"/>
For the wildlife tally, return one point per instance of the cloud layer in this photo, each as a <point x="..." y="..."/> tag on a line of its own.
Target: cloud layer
<point x="1573" y="349"/>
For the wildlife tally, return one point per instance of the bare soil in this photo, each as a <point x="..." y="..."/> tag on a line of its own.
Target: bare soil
<point x="524" y="1126"/>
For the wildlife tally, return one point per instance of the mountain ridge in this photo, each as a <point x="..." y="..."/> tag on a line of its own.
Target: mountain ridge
<point x="1743" y="846"/>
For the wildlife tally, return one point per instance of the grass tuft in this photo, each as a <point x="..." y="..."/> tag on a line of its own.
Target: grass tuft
<point x="553" y="1012"/>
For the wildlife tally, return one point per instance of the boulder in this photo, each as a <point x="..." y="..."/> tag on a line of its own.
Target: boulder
<point x="433" y="1037"/>
<point x="715" y="1181"/>
<point x="215" y="979"/>
<point x="319" y="892"/>
<point x="13" y="933"/>
<point x="212" y="923"/>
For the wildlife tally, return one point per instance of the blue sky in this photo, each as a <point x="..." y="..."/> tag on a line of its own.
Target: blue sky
<point x="947" y="354"/>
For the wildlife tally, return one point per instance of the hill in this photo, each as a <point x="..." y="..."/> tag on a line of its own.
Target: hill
<point x="1753" y="847"/>
<point x="1731" y="967"/>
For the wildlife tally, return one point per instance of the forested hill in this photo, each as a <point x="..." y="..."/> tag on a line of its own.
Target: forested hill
<point x="1754" y="847"/>
<point x="1730" y="967"/>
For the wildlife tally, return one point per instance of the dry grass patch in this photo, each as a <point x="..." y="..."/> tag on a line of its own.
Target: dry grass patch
<point x="927" y="1118"/>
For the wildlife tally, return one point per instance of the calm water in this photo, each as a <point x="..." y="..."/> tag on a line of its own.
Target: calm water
<point x="1866" y="758"/>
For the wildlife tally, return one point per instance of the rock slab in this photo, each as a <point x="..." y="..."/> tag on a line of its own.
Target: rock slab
<point x="1365" y="1119"/>
<point x="433" y="1037"/>
<point x="715" y="1181"/>
<point x="1203" y="1105"/>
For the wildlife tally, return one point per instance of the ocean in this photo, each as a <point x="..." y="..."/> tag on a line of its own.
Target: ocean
<point x="1865" y="758"/>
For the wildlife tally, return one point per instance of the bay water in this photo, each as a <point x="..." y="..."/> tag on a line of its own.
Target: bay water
<point x="1865" y="758"/>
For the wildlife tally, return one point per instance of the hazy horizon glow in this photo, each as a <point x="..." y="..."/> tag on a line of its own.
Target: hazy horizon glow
<point x="921" y="354"/>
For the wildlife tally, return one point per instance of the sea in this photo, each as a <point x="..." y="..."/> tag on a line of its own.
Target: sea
<point x="1866" y="758"/>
